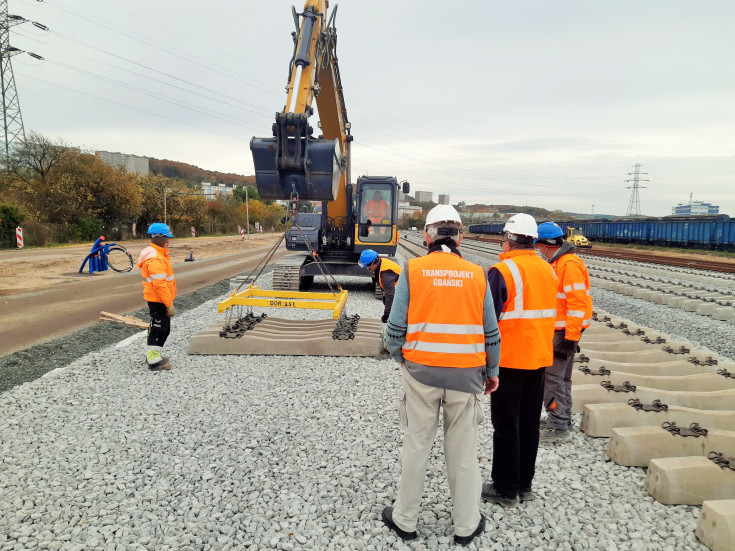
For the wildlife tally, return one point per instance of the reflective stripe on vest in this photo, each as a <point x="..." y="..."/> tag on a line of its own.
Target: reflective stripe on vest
<point x="528" y="319"/>
<point x="518" y="312"/>
<point x="445" y="312"/>
<point x="570" y="269"/>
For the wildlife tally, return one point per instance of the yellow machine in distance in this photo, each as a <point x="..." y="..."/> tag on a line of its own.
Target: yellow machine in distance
<point x="576" y="238"/>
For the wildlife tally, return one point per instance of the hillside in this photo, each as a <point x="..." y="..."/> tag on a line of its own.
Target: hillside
<point x="194" y="175"/>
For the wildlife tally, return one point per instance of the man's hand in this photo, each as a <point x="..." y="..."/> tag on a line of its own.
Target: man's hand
<point x="565" y="348"/>
<point x="384" y="318"/>
<point x="171" y="311"/>
<point x="491" y="385"/>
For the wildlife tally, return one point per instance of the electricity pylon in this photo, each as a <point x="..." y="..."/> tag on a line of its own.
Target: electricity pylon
<point x="12" y="119"/>
<point x="634" y="205"/>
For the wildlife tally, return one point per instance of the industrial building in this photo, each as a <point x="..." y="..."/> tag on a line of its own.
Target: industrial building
<point x="213" y="189"/>
<point x="443" y="199"/>
<point x="694" y="208"/>
<point x="424" y="196"/>
<point x="131" y="163"/>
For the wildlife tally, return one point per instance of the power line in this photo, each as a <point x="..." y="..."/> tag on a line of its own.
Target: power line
<point x="634" y="205"/>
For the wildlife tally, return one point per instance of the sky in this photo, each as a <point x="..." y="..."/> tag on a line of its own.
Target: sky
<point x="535" y="102"/>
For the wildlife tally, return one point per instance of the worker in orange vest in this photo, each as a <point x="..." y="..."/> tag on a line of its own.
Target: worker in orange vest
<point x="159" y="289"/>
<point x="573" y="316"/>
<point x="443" y="331"/>
<point x="523" y="287"/>
<point x="386" y="273"/>
<point x="377" y="210"/>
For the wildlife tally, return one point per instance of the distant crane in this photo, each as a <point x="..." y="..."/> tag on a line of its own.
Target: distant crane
<point x="634" y="205"/>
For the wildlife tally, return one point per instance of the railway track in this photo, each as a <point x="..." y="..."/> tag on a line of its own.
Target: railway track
<point x="668" y="259"/>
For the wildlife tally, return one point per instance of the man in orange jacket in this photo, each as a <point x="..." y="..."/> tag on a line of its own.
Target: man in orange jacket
<point x="443" y="331"/>
<point x="385" y="273"/>
<point x="573" y="315"/>
<point x="524" y="292"/>
<point x="159" y="289"/>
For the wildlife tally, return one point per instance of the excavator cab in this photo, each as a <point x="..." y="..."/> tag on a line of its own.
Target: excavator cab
<point x="376" y="213"/>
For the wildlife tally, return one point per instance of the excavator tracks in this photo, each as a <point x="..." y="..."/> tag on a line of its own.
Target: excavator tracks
<point x="287" y="272"/>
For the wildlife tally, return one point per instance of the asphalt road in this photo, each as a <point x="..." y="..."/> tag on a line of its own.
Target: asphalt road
<point x="37" y="317"/>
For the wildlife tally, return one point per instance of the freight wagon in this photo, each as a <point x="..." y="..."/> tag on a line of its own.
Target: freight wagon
<point x="699" y="232"/>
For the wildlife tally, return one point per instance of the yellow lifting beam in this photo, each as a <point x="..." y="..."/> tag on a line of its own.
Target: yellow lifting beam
<point x="254" y="296"/>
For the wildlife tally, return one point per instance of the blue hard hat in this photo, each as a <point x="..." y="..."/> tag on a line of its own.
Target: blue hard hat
<point x="158" y="228"/>
<point x="367" y="257"/>
<point x="549" y="230"/>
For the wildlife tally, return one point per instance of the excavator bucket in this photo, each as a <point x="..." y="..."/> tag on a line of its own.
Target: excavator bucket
<point x="293" y="161"/>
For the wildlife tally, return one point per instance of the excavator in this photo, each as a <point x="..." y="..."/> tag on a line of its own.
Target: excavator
<point x="293" y="165"/>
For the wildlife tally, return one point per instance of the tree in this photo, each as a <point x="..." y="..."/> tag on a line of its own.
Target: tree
<point x="239" y="193"/>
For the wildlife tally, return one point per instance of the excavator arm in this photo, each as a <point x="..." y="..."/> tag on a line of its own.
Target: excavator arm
<point x="293" y="164"/>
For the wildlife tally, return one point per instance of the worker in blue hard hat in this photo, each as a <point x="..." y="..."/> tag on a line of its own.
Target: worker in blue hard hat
<point x="159" y="289"/>
<point x="385" y="273"/>
<point x="573" y="316"/>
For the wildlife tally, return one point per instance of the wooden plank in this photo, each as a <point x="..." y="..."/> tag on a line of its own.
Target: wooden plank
<point x="130" y="321"/>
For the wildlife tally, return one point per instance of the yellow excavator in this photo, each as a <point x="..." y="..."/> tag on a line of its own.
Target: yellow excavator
<point x="293" y="165"/>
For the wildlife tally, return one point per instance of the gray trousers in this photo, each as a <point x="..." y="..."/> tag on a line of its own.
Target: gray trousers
<point x="419" y="413"/>
<point x="558" y="389"/>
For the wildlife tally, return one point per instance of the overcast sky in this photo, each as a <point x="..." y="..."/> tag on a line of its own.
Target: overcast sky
<point x="545" y="103"/>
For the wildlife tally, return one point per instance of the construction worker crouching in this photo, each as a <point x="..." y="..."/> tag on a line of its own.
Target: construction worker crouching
<point x="573" y="316"/>
<point x="523" y="287"/>
<point x="443" y="331"/>
<point x="386" y="273"/>
<point x="159" y="289"/>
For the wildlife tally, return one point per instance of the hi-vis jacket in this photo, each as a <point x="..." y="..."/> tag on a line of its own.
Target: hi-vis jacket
<point x="445" y="320"/>
<point x="574" y="302"/>
<point x="527" y="287"/>
<point x="159" y="284"/>
<point x="386" y="265"/>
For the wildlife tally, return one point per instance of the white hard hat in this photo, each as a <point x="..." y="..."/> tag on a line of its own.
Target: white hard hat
<point x="522" y="224"/>
<point x="442" y="213"/>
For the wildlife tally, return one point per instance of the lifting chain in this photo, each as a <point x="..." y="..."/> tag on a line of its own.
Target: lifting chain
<point x="594" y="316"/>
<point x="345" y="329"/>
<point x="602" y="371"/>
<point x="657" y="340"/>
<point x="709" y="360"/>
<point x="655" y="406"/>
<point x="680" y="350"/>
<point x="720" y="460"/>
<point x="621" y="325"/>
<point x="241" y="326"/>
<point x="694" y="429"/>
<point x="635" y="333"/>
<point x="625" y="387"/>
<point x="581" y="359"/>
<point x="725" y="373"/>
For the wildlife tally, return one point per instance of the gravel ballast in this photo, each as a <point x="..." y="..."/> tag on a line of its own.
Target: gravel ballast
<point x="275" y="452"/>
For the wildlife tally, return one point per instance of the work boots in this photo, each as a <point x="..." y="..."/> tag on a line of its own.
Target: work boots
<point x="156" y="362"/>
<point x="552" y="435"/>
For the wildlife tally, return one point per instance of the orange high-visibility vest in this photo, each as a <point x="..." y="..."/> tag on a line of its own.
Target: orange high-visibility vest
<point x="445" y="312"/>
<point x="527" y="321"/>
<point x="574" y="302"/>
<point x="159" y="283"/>
<point x="386" y="264"/>
<point x="377" y="210"/>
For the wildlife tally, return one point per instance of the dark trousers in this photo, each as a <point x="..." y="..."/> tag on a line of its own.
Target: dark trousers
<point x="160" y="325"/>
<point x="515" y="410"/>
